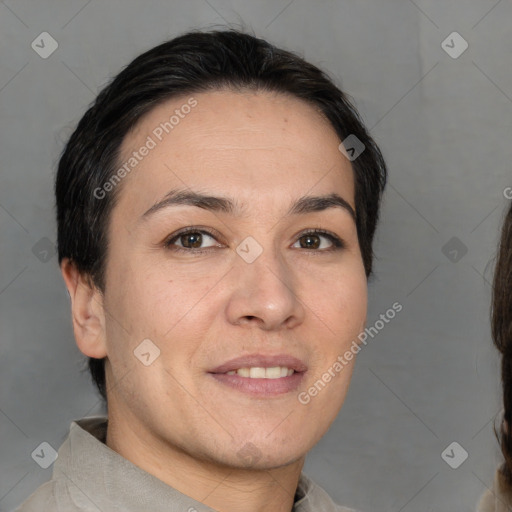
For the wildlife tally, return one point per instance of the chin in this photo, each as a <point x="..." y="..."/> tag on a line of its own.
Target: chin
<point x="264" y="456"/>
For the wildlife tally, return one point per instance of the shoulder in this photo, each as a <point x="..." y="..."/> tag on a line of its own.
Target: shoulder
<point x="43" y="498"/>
<point x="314" y="498"/>
<point x="57" y="496"/>
<point x="497" y="499"/>
<point x="339" y="508"/>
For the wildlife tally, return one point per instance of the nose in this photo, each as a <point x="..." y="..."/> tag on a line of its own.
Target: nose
<point x="265" y="293"/>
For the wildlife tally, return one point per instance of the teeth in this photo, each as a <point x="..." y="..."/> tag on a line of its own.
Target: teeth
<point x="244" y="372"/>
<point x="258" y="372"/>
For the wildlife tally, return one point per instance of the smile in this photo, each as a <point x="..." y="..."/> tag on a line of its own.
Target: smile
<point x="257" y="372"/>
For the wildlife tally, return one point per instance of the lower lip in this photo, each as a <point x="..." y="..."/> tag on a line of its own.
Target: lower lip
<point x="261" y="387"/>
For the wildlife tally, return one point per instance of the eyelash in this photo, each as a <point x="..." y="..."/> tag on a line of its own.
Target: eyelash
<point x="338" y="243"/>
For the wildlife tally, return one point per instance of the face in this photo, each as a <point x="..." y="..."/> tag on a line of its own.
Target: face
<point x="262" y="278"/>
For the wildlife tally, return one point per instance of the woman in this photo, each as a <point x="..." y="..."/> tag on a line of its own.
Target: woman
<point x="499" y="499"/>
<point x="211" y="168"/>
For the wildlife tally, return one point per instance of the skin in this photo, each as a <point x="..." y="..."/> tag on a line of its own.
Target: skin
<point x="265" y="150"/>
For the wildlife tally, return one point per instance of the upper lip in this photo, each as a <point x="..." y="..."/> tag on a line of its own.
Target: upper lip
<point x="262" y="361"/>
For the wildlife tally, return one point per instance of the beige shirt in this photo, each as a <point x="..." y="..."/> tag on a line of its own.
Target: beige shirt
<point x="497" y="499"/>
<point x="88" y="476"/>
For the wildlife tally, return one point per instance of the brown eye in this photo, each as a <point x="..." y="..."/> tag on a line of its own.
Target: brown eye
<point x="192" y="240"/>
<point x="316" y="240"/>
<point x="310" y="242"/>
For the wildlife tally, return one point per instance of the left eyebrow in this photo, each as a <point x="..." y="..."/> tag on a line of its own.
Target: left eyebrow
<point x="308" y="204"/>
<point x="303" y="205"/>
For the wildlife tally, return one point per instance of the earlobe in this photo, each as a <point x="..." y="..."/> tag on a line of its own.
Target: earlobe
<point x="86" y="310"/>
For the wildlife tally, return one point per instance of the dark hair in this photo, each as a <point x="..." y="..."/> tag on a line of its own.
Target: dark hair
<point x="501" y="323"/>
<point x="191" y="63"/>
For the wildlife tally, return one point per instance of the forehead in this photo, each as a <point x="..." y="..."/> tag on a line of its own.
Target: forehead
<point x="246" y="144"/>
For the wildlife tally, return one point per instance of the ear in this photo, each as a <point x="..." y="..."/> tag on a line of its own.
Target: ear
<point x="86" y="310"/>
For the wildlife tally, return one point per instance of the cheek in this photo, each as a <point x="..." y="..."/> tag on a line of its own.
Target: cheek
<point x="133" y="304"/>
<point x="342" y="302"/>
<point x="356" y="300"/>
<point x="140" y="298"/>
<point x="342" y="307"/>
<point x="152" y="303"/>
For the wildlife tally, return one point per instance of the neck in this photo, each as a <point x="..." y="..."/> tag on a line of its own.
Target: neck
<point x="219" y="486"/>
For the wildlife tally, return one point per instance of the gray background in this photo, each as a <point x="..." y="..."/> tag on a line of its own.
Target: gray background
<point x="430" y="377"/>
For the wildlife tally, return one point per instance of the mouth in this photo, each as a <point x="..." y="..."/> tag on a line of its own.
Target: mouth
<point x="258" y="372"/>
<point x="261" y="375"/>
